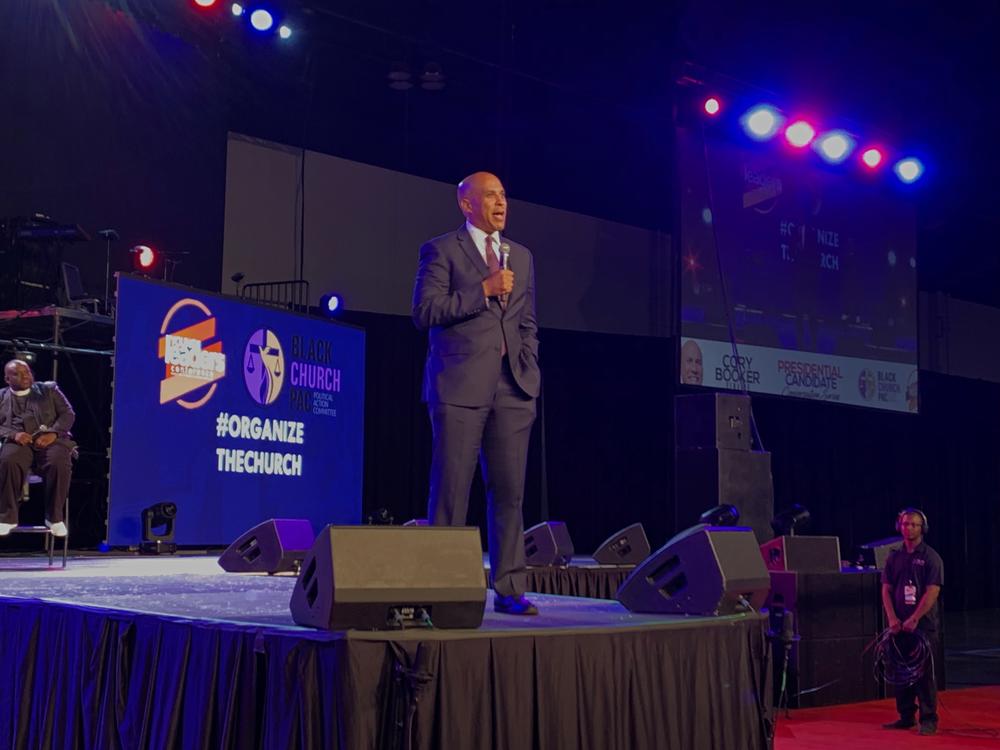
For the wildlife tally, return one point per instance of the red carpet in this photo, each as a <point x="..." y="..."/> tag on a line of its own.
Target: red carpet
<point x="968" y="719"/>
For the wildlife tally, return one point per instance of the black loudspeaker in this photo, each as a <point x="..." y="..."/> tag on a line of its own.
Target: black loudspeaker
<point x="626" y="547"/>
<point x="548" y="543"/>
<point x="274" y="546"/>
<point x="831" y="605"/>
<point x="837" y="616"/>
<point x="804" y="554"/>
<point x="712" y="420"/>
<point x="708" y="477"/>
<point x="833" y="671"/>
<point x="874" y="554"/>
<point x="705" y="570"/>
<point x="385" y="577"/>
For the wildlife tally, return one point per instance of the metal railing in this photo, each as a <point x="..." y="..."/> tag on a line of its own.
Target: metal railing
<point x="288" y="295"/>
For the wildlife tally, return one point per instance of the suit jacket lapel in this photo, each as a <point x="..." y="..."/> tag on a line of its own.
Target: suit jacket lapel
<point x="33" y="409"/>
<point x="470" y="249"/>
<point x="6" y="415"/>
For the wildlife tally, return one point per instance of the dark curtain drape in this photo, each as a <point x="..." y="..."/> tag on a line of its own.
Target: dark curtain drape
<point x="609" y="451"/>
<point x="75" y="677"/>
<point x="593" y="583"/>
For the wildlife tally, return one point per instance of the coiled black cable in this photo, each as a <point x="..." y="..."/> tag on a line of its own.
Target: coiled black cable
<point x="902" y="658"/>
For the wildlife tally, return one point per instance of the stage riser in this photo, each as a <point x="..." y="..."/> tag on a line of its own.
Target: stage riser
<point x="78" y="677"/>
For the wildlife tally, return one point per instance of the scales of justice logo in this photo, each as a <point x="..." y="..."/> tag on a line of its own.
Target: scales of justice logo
<point x="263" y="366"/>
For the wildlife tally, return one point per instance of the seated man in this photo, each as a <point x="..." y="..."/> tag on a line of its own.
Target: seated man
<point x="34" y="426"/>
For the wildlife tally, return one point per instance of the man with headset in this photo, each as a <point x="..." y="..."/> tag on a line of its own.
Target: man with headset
<point x="911" y="582"/>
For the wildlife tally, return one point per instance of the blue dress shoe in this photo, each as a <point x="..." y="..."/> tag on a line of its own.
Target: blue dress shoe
<point x="513" y="605"/>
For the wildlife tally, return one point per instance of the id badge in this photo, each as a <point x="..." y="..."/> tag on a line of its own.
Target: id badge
<point x="910" y="594"/>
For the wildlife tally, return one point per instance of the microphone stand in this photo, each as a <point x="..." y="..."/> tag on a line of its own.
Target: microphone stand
<point x="107" y="234"/>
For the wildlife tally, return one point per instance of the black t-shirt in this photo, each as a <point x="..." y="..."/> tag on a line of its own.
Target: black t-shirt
<point x="908" y="575"/>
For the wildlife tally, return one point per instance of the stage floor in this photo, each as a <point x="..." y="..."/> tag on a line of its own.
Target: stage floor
<point x="175" y="652"/>
<point x="197" y="588"/>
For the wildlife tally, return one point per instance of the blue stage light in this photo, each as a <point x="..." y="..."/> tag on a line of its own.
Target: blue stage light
<point x="908" y="170"/>
<point x="835" y="146"/>
<point x="330" y="304"/>
<point x="237" y="9"/>
<point x="284" y="31"/>
<point x="761" y="122"/>
<point x="261" y="19"/>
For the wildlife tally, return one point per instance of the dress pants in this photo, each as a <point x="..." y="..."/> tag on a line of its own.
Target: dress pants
<point x="498" y="434"/>
<point x="54" y="464"/>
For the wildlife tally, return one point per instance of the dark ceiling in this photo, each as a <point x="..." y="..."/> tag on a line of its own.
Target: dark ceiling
<point x="569" y="102"/>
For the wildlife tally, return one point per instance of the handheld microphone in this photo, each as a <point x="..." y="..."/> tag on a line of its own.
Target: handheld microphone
<point x="505" y="265"/>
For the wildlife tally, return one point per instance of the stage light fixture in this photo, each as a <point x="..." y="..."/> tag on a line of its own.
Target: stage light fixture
<point x="284" y="31"/>
<point x="793" y="518"/>
<point x="909" y="169"/>
<point x="712" y="106"/>
<point x="871" y="157"/>
<point x="261" y="19"/>
<point x="144" y="258"/>
<point x="835" y="146"/>
<point x="237" y="9"/>
<point x="800" y="134"/>
<point x="330" y="304"/>
<point x="432" y="78"/>
<point x="762" y="122"/>
<point x="400" y="78"/>
<point x="205" y="3"/>
<point x="158" y="523"/>
<point x="721" y="515"/>
<point x="24" y="355"/>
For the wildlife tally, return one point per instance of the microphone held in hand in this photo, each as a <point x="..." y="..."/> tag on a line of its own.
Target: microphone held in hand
<point x="505" y="265"/>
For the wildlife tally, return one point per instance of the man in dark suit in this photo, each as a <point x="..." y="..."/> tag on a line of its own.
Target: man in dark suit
<point x="35" y="419"/>
<point x="475" y="295"/>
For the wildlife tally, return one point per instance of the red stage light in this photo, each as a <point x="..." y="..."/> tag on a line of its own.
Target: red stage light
<point x="871" y="157"/>
<point x="204" y="3"/>
<point x="143" y="257"/>
<point x="712" y="106"/>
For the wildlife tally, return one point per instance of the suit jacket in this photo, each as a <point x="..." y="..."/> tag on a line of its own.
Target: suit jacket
<point x="464" y="330"/>
<point x="47" y="406"/>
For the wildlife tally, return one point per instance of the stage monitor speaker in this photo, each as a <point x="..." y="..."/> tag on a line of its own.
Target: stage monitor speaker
<point x="874" y="554"/>
<point x="803" y="554"/>
<point x="548" y="543"/>
<point x="708" y="477"/>
<point x="387" y="577"/>
<point x="626" y="547"/>
<point x="705" y="570"/>
<point x="274" y="546"/>
<point x="712" y="420"/>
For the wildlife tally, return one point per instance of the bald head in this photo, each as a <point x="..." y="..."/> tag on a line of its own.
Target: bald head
<point x="17" y="374"/>
<point x="483" y="202"/>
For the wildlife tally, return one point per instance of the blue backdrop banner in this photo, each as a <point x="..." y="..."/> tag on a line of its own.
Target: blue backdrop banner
<point x="234" y="412"/>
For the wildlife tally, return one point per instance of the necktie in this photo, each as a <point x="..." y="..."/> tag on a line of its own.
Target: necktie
<point x="493" y="263"/>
